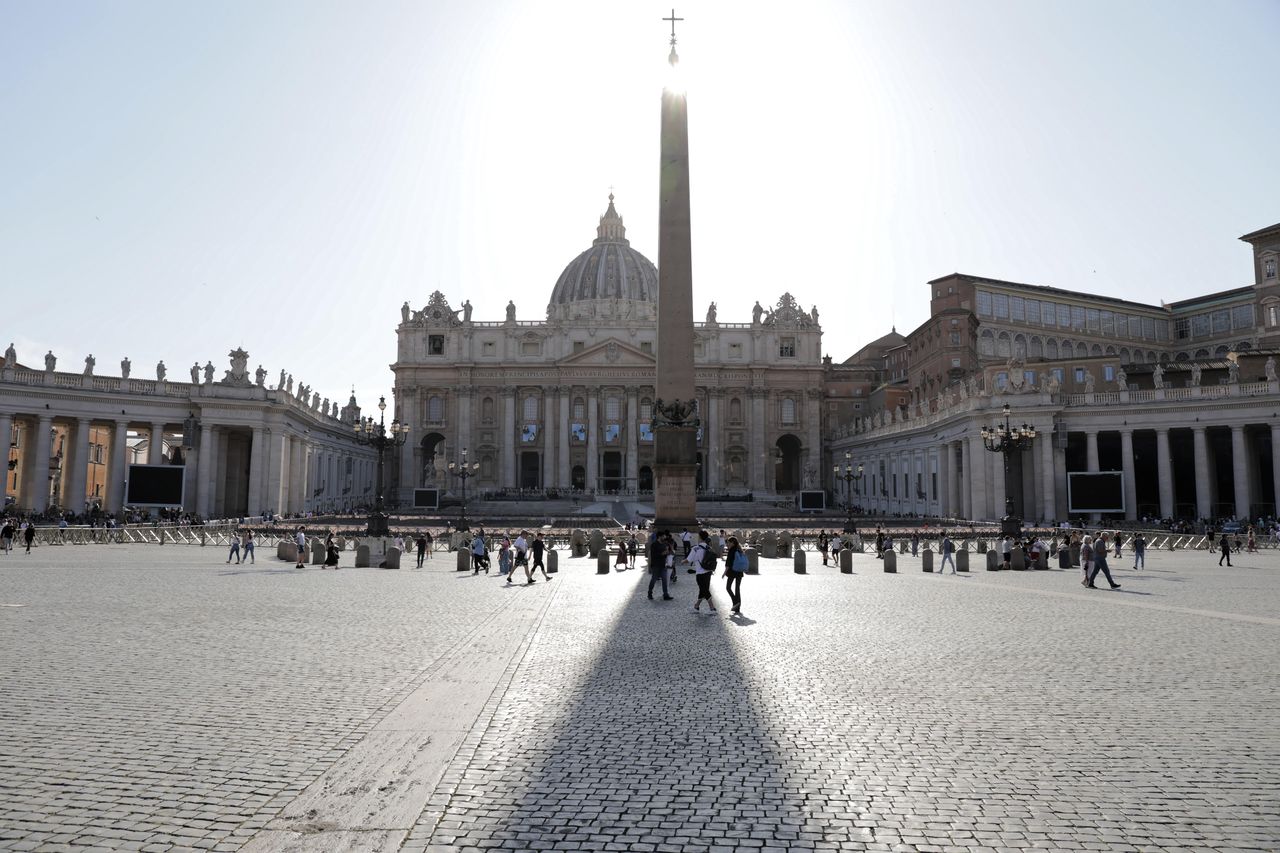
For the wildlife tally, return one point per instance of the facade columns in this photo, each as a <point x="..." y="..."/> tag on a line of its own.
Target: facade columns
<point x="633" y="440"/>
<point x="508" y="480"/>
<point x="118" y="464"/>
<point x="978" y="477"/>
<point x="40" y="464"/>
<point x="1275" y="465"/>
<point x="1091" y="462"/>
<point x="6" y="442"/>
<point x="813" y="419"/>
<point x="999" y="488"/>
<point x="945" y="471"/>
<point x="711" y="440"/>
<point x="1165" y="475"/>
<point x="1126" y="464"/>
<point x="1240" y="471"/>
<point x="549" y="425"/>
<point x="155" y="453"/>
<point x="78" y="459"/>
<point x="204" y="483"/>
<point x="1048" y="502"/>
<point x="256" y="470"/>
<point x="756" y="444"/>
<point x="965" y="483"/>
<point x="593" y="441"/>
<point x="1200" y="446"/>
<point x="294" y="504"/>
<point x="565" y="480"/>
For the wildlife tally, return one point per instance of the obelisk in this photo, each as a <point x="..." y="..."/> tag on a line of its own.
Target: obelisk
<point x="675" y="423"/>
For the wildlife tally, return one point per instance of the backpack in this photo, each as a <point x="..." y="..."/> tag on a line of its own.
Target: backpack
<point x="709" y="559"/>
<point x="740" y="562"/>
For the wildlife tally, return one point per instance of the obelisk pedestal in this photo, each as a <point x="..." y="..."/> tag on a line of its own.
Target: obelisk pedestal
<point x="675" y="422"/>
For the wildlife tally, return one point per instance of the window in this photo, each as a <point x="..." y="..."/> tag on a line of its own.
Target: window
<point x="788" y="410"/>
<point x="1077" y="316"/>
<point x="1029" y="377"/>
<point x="1017" y="309"/>
<point x="984" y="303"/>
<point x="1242" y="317"/>
<point x="612" y="408"/>
<point x="987" y="344"/>
<point x="699" y="349"/>
<point x="735" y="411"/>
<point x="1002" y="381"/>
<point x="1269" y="268"/>
<point x="1064" y="316"/>
<point x="435" y="409"/>
<point x="1051" y="349"/>
<point x="489" y="348"/>
<point x="735" y="350"/>
<point x="579" y="346"/>
<point x="1122" y="326"/>
<point x="1058" y="374"/>
<point x="435" y="344"/>
<point x="646" y="409"/>
<point x="1002" y="345"/>
<point x="646" y="347"/>
<point x="1109" y="372"/>
<point x="1200" y="326"/>
<point x="1182" y="328"/>
<point x="1036" y="349"/>
<point x="955" y="362"/>
<point x="530" y="409"/>
<point x="955" y="339"/>
<point x="1221" y="321"/>
<point x="1000" y="303"/>
<point x="1079" y="375"/>
<point x="486" y="410"/>
<point x="1091" y="319"/>
<point x="1108" y="323"/>
<point x="1273" y="315"/>
<point x="786" y="347"/>
<point x="1148" y="328"/>
<point x="530" y="347"/>
<point x="1033" y="311"/>
<point x="579" y="408"/>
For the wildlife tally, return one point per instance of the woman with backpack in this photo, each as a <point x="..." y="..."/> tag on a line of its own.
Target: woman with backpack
<point x="735" y="566"/>
<point x="703" y="562"/>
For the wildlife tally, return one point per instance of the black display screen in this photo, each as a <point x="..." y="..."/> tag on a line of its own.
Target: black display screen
<point x="1095" y="492"/>
<point x="155" y="485"/>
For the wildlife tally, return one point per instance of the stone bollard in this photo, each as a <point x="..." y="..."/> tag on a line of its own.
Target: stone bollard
<point x="1042" y="561"/>
<point x="464" y="560"/>
<point x="890" y="562"/>
<point x="596" y="544"/>
<point x="553" y="562"/>
<point x="769" y="546"/>
<point x="926" y="560"/>
<point x="317" y="553"/>
<point x="962" y="560"/>
<point x="846" y="561"/>
<point x="362" y="557"/>
<point x="393" y="558"/>
<point x="993" y="561"/>
<point x="341" y="542"/>
<point x="784" y="544"/>
<point x="602" y="562"/>
<point x="982" y="545"/>
<point x="1064" y="558"/>
<point x="798" y="561"/>
<point x="1018" y="560"/>
<point x="753" y="561"/>
<point x="285" y="551"/>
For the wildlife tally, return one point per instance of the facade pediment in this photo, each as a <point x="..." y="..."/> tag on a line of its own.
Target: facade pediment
<point x="613" y="353"/>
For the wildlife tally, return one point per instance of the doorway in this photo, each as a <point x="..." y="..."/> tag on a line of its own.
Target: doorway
<point x="530" y="468"/>
<point x="787" y="469"/>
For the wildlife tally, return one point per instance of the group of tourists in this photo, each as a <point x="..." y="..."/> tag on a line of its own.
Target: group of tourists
<point x="12" y="529"/>
<point x="513" y="554"/>
<point x="701" y="557"/>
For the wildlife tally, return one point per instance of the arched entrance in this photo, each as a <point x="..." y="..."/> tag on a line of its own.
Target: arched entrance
<point x="646" y="479"/>
<point x="430" y="445"/>
<point x="787" y="467"/>
<point x="579" y="475"/>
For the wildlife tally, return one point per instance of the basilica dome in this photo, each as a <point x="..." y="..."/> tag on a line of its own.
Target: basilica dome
<point x="610" y="269"/>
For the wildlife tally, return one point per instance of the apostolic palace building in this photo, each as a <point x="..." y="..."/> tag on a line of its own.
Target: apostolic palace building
<point x="1182" y="399"/>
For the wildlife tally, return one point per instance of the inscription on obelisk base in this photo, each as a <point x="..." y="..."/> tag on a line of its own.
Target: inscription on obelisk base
<point x="675" y="477"/>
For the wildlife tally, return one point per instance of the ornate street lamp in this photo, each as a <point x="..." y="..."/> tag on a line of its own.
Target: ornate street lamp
<point x="850" y="478"/>
<point x="1007" y="439"/>
<point x="464" y="471"/>
<point x="379" y="438"/>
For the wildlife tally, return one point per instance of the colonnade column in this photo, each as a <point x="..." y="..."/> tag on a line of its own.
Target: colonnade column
<point x="40" y="464"/>
<point x="6" y="441"/>
<point x="756" y="445"/>
<point x="1240" y="471"/>
<point x="593" y="445"/>
<point x="944" y="479"/>
<point x="78" y="459"/>
<point x="155" y="455"/>
<point x="256" y="468"/>
<point x="1091" y="462"/>
<point x="1048" y="503"/>
<point x="964" y="483"/>
<point x="813" y="418"/>
<point x="710" y="428"/>
<point x="1275" y="466"/>
<point x="1126" y="464"/>
<point x="977" y="477"/>
<point x="633" y="439"/>
<point x="999" y="488"/>
<point x="549" y="426"/>
<point x="205" y="482"/>
<point x="1165" y="473"/>
<point x="1200" y="448"/>
<point x="562" y="462"/>
<point x="117" y="465"/>
<point x="294" y="504"/>
<point x="508" y="438"/>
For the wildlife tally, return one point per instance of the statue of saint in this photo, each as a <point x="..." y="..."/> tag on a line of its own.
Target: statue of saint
<point x="1233" y="371"/>
<point x="160" y="370"/>
<point x="466" y="311"/>
<point x="1053" y="386"/>
<point x="10" y="356"/>
<point x="50" y="361"/>
<point x="814" y="315"/>
<point x="288" y="385"/>
<point x="404" y="312"/>
<point x="1088" y="381"/>
<point x="261" y="376"/>
<point x="756" y="313"/>
<point x="195" y="373"/>
<point x="511" y="311"/>
<point x="1157" y="376"/>
<point x="208" y="371"/>
<point x="1195" y="375"/>
<point x="280" y="384"/>
<point x="1122" y="380"/>
<point x="89" y="362"/>
<point x="711" y="315"/>
<point x="125" y="367"/>
<point x="1270" y="368"/>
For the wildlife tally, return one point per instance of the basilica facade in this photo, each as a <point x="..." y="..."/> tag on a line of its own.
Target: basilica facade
<point x="563" y="404"/>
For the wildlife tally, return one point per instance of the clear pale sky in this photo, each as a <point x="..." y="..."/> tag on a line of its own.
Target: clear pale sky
<point x="178" y="179"/>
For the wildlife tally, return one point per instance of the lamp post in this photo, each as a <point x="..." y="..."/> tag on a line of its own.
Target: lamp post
<point x="464" y="471"/>
<point x="380" y="438"/>
<point x="1007" y="439"/>
<point x="849" y="478"/>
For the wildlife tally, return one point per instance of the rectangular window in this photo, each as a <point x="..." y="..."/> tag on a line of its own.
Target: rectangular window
<point x="1200" y="326"/>
<point x="1108" y="322"/>
<point x="1077" y="317"/>
<point x="955" y="362"/>
<point x="1058" y="374"/>
<point x="1149" y="328"/>
<point x="1109" y="372"/>
<point x="1033" y="311"/>
<point x="646" y="346"/>
<point x="488" y="348"/>
<point x="955" y="339"/>
<point x="1000" y="304"/>
<point x="1242" y="317"/>
<point x="579" y="346"/>
<point x="1221" y="321"/>
<point x="1029" y="377"/>
<point x="1002" y="380"/>
<point x="1273" y="315"/>
<point x="1182" y="328"/>
<point x="1064" y="316"/>
<point x="1079" y="375"/>
<point x="984" y="303"/>
<point x="735" y="350"/>
<point x="933" y="484"/>
<point x="1017" y="309"/>
<point x="1091" y="319"/>
<point x="1162" y="330"/>
<point x="787" y="347"/>
<point x="435" y="344"/>
<point x="530" y="347"/>
<point x="613" y="408"/>
<point x="1122" y="326"/>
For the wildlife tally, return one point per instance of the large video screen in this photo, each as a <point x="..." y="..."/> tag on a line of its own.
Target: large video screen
<point x="426" y="498"/>
<point x="155" y="485"/>
<point x="813" y="501"/>
<point x="1101" y="491"/>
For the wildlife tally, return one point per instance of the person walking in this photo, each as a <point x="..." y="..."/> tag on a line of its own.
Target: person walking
<point x="915" y="543"/>
<point x="235" y="547"/>
<point x="504" y="557"/>
<point x="824" y="545"/>
<point x="6" y="536"/>
<point x="522" y="558"/>
<point x="1100" y="562"/>
<point x="1006" y="552"/>
<point x="330" y="552"/>
<point x="422" y="548"/>
<point x="703" y="562"/>
<point x="620" y="561"/>
<point x="538" y="547"/>
<point x="633" y="547"/>
<point x="879" y="544"/>
<point x="29" y="535"/>
<point x="479" y="554"/>
<point x="300" y="539"/>
<point x="661" y="551"/>
<point x="735" y="566"/>
<point x="686" y="542"/>
<point x="246" y="546"/>
<point x="948" y="554"/>
<point x="1224" y="545"/>
<point x="1139" y="551"/>
<point x="1086" y="558"/>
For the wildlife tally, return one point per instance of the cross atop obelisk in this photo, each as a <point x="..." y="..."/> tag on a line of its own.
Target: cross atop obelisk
<point x="673" y="59"/>
<point x="675" y="411"/>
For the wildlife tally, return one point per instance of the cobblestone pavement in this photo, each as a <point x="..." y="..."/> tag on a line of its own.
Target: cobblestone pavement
<point x="158" y="699"/>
